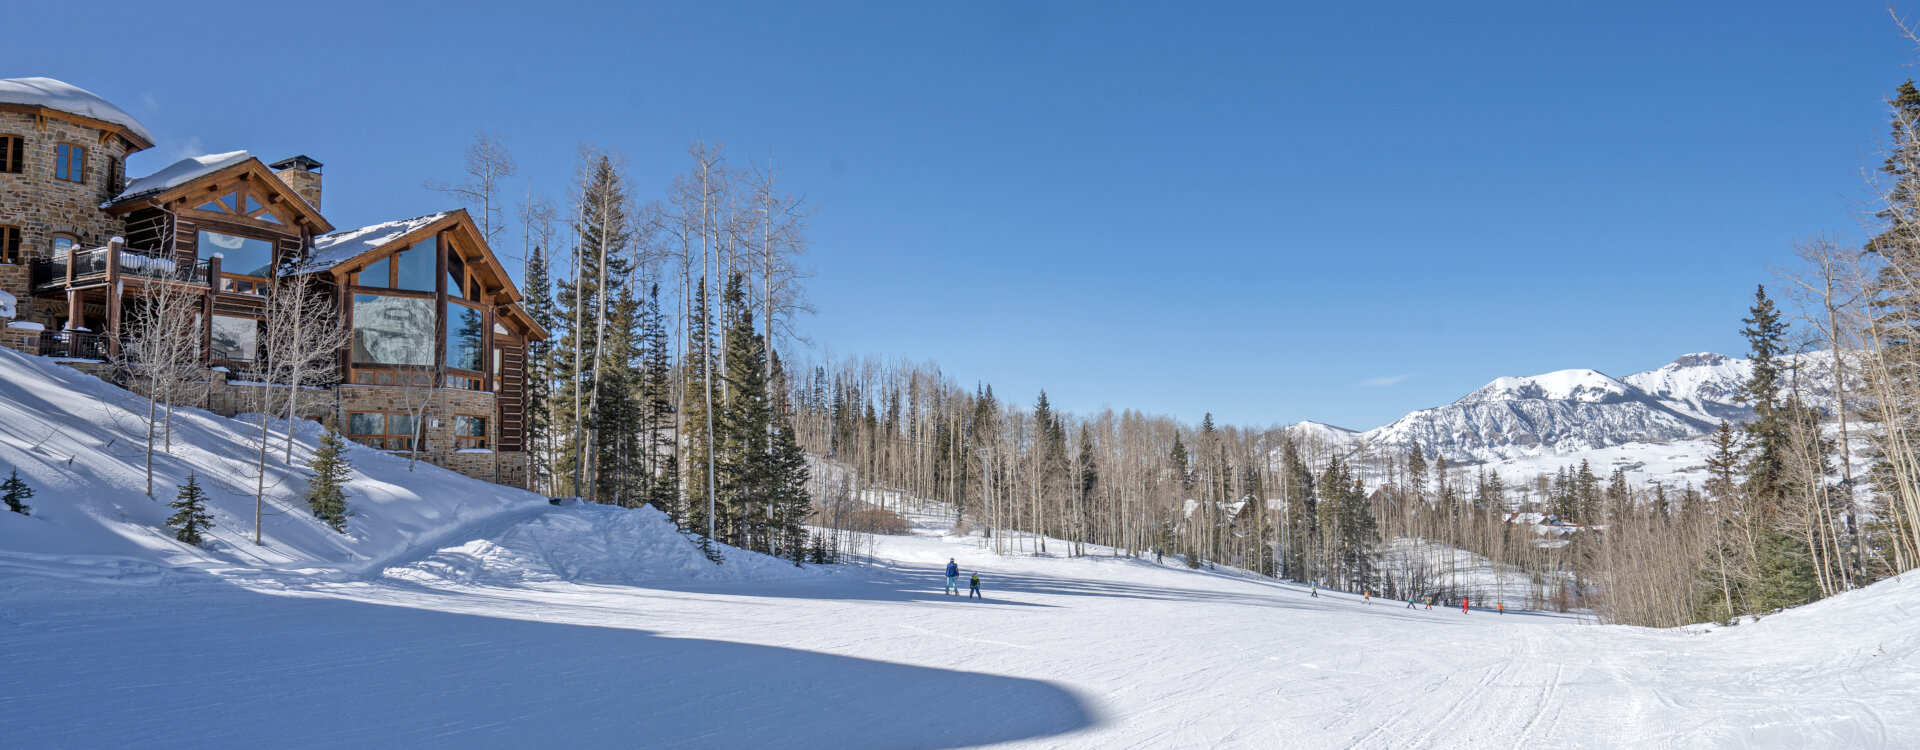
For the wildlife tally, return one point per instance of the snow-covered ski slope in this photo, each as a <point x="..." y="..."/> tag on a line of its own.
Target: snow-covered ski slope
<point x="495" y="620"/>
<point x="79" y="443"/>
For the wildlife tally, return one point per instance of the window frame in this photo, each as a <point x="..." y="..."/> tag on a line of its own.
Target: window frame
<point x="64" y="161"/>
<point x="13" y="153"/>
<point x="10" y="245"/>
<point x="462" y="441"/>
<point x="386" y="435"/>
<point x="57" y="237"/>
<point x="227" y="284"/>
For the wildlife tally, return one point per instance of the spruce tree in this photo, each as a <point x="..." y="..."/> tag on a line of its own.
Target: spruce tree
<point x="583" y="308"/>
<point x="538" y="291"/>
<point x="327" y="493"/>
<point x="657" y="443"/>
<point x="15" y="493"/>
<point x="190" y="518"/>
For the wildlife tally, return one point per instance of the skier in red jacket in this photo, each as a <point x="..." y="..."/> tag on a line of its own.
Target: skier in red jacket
<point x="1463" y="604"/>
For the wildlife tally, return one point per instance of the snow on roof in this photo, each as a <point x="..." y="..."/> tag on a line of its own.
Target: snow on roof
<point x="333" y="249"/>
<point x="180" y="173"/>
<point x="68" y="98"/>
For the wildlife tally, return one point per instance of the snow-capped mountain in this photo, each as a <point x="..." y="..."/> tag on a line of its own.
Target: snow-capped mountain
<point x="1571" y="411"/>
<point x="1559" y="412"/>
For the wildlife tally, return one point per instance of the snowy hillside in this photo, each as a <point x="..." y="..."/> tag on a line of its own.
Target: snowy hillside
<point x="1061" y="653"/>
<point x="77" y="441"/>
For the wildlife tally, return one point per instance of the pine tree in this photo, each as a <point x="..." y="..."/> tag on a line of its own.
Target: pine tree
<point x="657" y="439"/>
<point x="15" y="493"/>
<point x="190" y="519"/>
<point x="538" y="302"/>
<point x="583" y="308"/>
<point x="327" y="493"/>
<point x="743" y="432"/>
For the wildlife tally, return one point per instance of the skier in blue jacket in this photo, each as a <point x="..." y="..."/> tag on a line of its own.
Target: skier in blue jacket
<point x="953" y="576"/>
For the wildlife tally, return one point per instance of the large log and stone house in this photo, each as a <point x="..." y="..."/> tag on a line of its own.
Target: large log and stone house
<point x="427" y="303"/>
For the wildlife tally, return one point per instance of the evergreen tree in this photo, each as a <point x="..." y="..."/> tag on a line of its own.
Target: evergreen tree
<point x="15" y="493"/>
<point x="327" y="493"/>
<point x="749" y="480"/>
<point x="657" y="439"/>
<point x="538" y="303"/>
<point x="583" y="307"/>
<point x="190" y="518"/>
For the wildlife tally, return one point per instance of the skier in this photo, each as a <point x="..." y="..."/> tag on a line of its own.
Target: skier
<point x="1463" y="604"/>
<point x="1410" y="602"/>
<point x="973" y="586"/>
<point x="1501" y="606"/>
<point x="1429" y="604"/>
<point x="1316" y="589"/>
<point x="953" y="576"/>
<point x="1366" y="597"/>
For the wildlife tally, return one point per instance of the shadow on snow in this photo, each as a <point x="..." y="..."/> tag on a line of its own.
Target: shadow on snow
<point x="211" y="669"/>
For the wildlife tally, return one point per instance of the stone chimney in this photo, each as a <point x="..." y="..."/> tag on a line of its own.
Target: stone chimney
<point x="302" y="174"/>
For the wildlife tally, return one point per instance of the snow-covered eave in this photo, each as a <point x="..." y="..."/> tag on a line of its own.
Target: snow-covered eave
<point x="65" y="101"/>
<point x="343" y="247"/>
<point x="176" y="174"/>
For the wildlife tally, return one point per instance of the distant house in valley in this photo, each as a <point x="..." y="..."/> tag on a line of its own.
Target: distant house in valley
<point x="427" y="303"/>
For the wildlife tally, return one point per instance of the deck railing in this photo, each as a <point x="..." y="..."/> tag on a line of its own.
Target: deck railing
<point x="73" y="345"/>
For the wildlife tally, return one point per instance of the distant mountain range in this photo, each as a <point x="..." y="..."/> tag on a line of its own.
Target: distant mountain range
<point x="1571" y="411"/>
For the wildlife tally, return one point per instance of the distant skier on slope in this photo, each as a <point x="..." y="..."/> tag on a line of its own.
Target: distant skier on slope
<point x="973" y="586"/>
<point x="1410" y="602"/>
<point x="1314" y="589"/>
<point x="953" y="576"/>
<point x="1500" y="606"/>
<point x="1366" y="597"/>
<point x="1463" y="604"/>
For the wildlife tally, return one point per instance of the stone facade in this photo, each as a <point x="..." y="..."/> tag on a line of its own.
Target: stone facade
<point x="441" y="448"/>
<point x="43" y="206"/>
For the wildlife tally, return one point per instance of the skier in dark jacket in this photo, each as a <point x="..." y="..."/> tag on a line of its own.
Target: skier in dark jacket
<point x="973" y="586"/>
<point x="953" y="576"/>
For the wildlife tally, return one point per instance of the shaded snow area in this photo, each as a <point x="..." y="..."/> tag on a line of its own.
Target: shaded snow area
<point x="460" y="614"/>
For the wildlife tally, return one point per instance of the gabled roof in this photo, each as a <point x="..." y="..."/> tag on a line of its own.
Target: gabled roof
<point x="61" y="96"/>
<point x="342" y="247"/>
<point x="179" y="173"/>
<point x="183" y="177"/>
<point x="342" y="252"/>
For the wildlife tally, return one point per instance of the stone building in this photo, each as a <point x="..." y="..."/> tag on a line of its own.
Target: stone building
<point x="436" y="363"/>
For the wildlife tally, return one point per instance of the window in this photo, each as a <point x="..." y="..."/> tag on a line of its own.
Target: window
<point x="63" y="244"/>
<point x="70" y="163"/>
<point x="9" y="244"/>
<point x="235" y="339"/>
<point x="392" y="330"/>
<point x="469" y="432"/>
<point x="463" y="382"/>
<point x="377" y="273"/>
<point x="13" y="151"/>
<point x="456" y="275"/>
<point x="116" y="174"/>
<point x="464" y="340"/>
<point x="384" y="430"/>
<point x="416" y="266"/>
<point x="241" y="256"/>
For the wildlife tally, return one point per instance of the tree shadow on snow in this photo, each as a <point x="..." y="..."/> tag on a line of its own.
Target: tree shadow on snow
<point x="264" y="671"/>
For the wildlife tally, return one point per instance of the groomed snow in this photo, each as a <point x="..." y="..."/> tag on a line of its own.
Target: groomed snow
<point x="66" y="97"/>
<point x="488" y="617"/>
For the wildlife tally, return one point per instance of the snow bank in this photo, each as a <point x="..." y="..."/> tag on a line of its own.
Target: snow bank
<point x="591" y="544"/>
<point x="78" y="442"/>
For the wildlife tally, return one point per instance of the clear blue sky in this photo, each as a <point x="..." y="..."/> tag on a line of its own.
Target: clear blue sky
<point x="1271" y="211"/>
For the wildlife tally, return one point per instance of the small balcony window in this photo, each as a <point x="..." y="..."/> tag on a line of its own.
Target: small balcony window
<point x="70" y="163"/>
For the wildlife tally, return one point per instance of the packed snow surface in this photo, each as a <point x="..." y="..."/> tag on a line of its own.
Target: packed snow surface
<point x="459" y="614"/>
<point x="66" y="97"/>
<point x="180" y="173"/>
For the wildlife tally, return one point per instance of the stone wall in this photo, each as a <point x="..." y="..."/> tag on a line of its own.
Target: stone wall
<point x="440" y="449"/>
<point x="43" y="206"/>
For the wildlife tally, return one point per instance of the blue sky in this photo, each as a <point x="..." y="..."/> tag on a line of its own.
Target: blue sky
<point x="1269" y="211"/>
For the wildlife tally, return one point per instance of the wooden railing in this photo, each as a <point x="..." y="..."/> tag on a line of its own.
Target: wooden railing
<point x="88" y="266"/>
